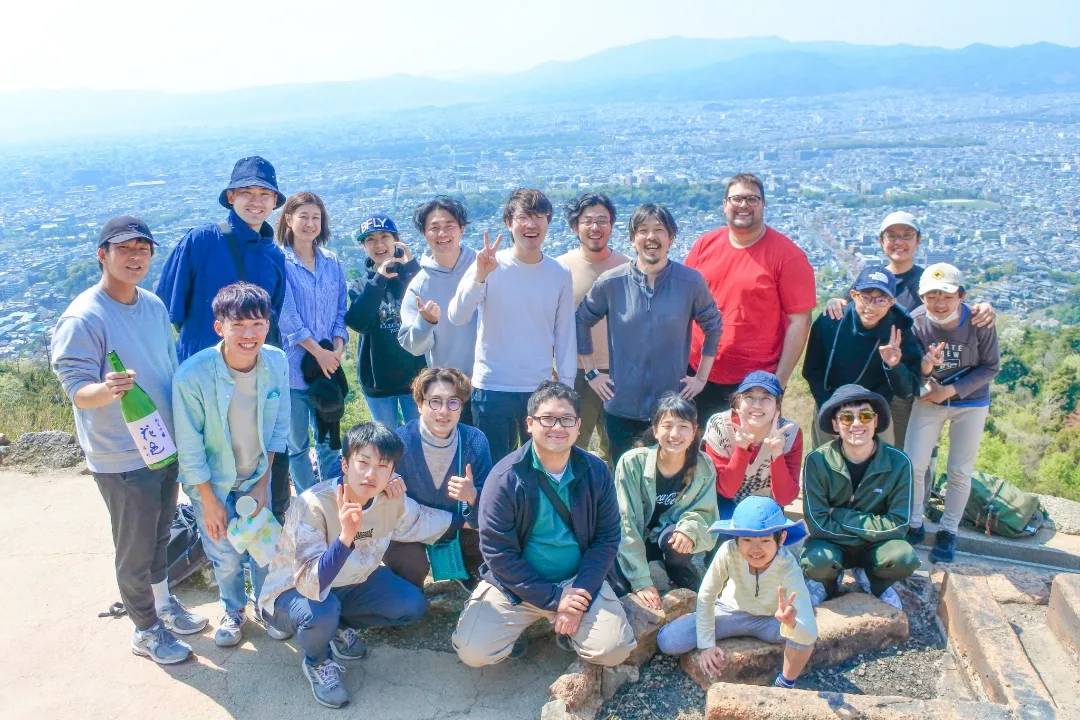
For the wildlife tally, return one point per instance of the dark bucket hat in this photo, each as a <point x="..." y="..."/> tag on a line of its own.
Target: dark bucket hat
<point x="851" y="393"/>
<point x="760" y="516"/>
<point x="252" y="171"/>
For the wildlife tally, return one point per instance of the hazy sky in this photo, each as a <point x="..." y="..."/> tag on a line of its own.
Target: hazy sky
<point x="214" y="44"/>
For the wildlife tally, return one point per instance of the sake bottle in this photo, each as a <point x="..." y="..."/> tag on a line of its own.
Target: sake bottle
<point x="144" y="423"/>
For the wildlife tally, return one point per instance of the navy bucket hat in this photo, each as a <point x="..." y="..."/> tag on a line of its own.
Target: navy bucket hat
<point x="851" y="393"/>
<point x="252" y="171"/>
<point x="760" y="516"/>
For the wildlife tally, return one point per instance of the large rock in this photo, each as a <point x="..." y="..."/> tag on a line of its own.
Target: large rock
<point x="646" y="622"/>
<point x="1063" y="615"/>
<point x="848" y="625"/>
<point x="1007" y="584"/>
<point x="726" y="701"/>
<point x="47" y="449"/>
<point x="575" y="695"/>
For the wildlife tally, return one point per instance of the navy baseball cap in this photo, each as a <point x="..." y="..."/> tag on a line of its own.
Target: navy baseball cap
<point x="761" y="379"/>
<point x="379" y="222"/>
<point x="876" y="277"/>
<point x="123" y="228"/>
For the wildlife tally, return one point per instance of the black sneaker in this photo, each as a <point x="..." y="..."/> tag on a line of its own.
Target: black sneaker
<point x="916" y="535"/>
<point x="944" y="547"/>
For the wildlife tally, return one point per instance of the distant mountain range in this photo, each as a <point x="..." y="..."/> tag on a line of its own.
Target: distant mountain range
<point x="671" y="69"/>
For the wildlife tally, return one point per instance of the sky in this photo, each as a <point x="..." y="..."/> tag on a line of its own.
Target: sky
<point x="201" y="45"/>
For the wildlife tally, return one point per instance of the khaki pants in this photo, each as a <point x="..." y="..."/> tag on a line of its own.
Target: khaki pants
<point x="592" y="416"/>
<point x="819" y="438"/>
<point x="490" y="623"/>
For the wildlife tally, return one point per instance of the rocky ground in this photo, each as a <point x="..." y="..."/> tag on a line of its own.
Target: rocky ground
<point x="911" y="669"/>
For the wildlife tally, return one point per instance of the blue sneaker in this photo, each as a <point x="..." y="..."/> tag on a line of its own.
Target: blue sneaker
<point x="179" y="620"/>
<point x="325" y="680"/>
<point x="160" y="645"/>
<point x="944" y="547"/>
<point x="347" y="645"/>
<point x="229" y="631"/>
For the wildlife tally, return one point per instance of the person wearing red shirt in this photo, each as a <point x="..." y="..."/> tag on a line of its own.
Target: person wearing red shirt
<point x="756" y="451"/>
<point x="764" y="287"/>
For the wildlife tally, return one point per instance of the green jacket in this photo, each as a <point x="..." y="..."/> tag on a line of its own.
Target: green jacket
<point x="878" y="511"/>
<point x="693" y="512"/>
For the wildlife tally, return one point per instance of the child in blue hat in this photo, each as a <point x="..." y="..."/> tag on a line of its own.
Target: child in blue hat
<point x="768" y="599"/>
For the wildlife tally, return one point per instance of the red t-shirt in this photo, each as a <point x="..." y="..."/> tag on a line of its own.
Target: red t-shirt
<point x="756" y="288"/>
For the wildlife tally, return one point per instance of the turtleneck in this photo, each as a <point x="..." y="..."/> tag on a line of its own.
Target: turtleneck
<point x="438" y="452"/>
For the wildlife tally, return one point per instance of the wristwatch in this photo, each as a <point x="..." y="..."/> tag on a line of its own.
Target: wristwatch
<point x="591" y="375"/>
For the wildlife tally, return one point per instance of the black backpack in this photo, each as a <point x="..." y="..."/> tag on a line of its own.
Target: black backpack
<point x="185" y="554"/>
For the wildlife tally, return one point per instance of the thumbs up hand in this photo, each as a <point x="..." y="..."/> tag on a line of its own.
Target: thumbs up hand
<point x="462" y="488"/>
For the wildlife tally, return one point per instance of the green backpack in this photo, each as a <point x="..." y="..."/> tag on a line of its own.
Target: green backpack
<point x="995" y="506"/>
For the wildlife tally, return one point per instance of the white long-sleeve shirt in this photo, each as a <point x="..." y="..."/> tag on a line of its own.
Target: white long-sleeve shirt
<point x="756" y="596"/>
<point x="526" y="323"/>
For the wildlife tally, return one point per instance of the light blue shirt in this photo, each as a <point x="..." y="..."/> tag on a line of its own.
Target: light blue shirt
<point x="202" y="390"/>
<point x="314" y="307"/>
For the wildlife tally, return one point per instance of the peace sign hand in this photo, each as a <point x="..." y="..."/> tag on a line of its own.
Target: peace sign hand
<point x="429" y="310"/>
<point x="486" y="263"/>
<point x="785" y="608"/>
<point x="934" y="358"/>
<point x="774" y="441"/>
<point x="890" y="354"/>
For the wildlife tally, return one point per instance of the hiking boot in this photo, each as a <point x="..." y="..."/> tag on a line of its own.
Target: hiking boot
<point x="818" y="593"/>
<point x="229" y="632"/>
<point x="160" y="645"/>
<point x="891" y="597"/>
<point x="520" y="646"/>
<point x="325" y="679"/>
<point x="271" y="630"/>
<point x="944" y="547"/>
<point x="179" y="620"/>
<point x="916" y="535"/>
<point x="347" y="645"/>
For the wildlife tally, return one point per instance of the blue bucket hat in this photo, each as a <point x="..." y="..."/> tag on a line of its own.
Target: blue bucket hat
<point x="761" y="379"/>
<point x="852" y="393"/>
<point x="760" y="516"/>
<point x="252" y="171"/>
<point x="379" y="222"/>
<point x="876" y="277"/>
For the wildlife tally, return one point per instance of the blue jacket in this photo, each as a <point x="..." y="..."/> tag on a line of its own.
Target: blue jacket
<point x="202" y="389"/>
<point x="420" y="486"/>
<point x="201" y="264"/>
<point x="507" y="513"/>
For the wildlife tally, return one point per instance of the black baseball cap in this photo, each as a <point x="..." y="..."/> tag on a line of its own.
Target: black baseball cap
<point x="123" y="228"/>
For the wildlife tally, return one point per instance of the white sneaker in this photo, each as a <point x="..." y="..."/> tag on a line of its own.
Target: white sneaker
<point x="891" y="597"/>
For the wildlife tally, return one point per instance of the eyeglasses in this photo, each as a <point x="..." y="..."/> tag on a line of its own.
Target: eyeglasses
<point x="909" y="236"/>
<point x="878" y="300"/>
<point x="436" y="403"/>
<point x="751" y="200"/>
<point x="550" y="421"/>
<point x="846" y="417"/>
<point x="594" y="222"/>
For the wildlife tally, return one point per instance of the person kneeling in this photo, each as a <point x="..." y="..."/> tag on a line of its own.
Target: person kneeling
<point x="326" y="579"/>
<point x="857" y="500"/>
<point x="667" y="499"/>
<point x="549" y="531"/>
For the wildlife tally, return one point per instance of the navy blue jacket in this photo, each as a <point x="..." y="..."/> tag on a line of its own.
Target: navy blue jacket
<point x="508" y="511"/>
<point x="420" y="486"/>
<point x="201" y="264"/>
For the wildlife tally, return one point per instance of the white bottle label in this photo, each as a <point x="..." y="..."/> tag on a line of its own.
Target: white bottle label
<point x="152" y="438"/>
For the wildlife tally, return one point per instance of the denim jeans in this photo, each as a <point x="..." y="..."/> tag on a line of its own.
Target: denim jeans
<point x="383" y="599"/>
<point x="392" y="411"/>
<point x="301" y="430"/>
<point x="228" y="563"/>
<point x="501" y="417"/>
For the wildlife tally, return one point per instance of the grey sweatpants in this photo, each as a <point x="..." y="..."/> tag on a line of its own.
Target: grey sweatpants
<point x="680" y="635"/>
<point x="141" y="506"/>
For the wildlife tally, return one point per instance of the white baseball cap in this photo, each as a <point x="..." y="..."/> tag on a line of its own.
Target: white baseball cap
<point x="941" y="276"/>
<point x="899" y="218"/>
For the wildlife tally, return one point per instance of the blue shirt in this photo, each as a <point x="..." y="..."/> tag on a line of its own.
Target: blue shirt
<point x="201" y="264"/>
<point x="314" y="307"/>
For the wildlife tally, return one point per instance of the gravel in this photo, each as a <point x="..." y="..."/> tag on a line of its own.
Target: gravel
<point x="911" y="669"/>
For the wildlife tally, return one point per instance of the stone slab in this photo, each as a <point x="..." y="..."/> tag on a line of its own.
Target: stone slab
<point x="980" y="634"/>
<point x="848" y="625"/>
<point x="728" y="701"/>
<point x="1063" y="614"/>
<point x="1021" y="585"/>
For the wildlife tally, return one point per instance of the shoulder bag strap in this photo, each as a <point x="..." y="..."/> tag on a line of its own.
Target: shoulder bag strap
<point x="557" y="503"/>
<point x="235" y="250"/>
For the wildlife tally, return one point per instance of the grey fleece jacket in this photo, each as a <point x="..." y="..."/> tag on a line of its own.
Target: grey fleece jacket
<point x="648" y="331"/>
<point x="444" y="344"/>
